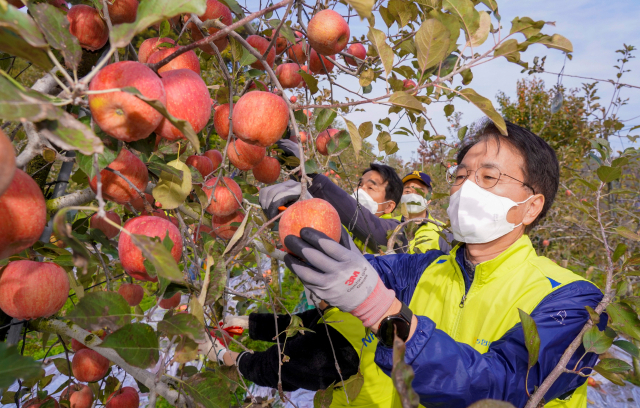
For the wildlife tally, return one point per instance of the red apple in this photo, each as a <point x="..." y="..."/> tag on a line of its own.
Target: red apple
<point x="89" y="366"/>
<point x="215" y="157"/>
<point x="16" y="3"/>
<point x="288" y="75"/>
<point x="293" y="99"/>
<point x="170" y="303"/>
<point x="358" y="51"/>
<point x="7" y="162"/>
<point x="315" y="65"/>
<point x="23" y="215"/>
<point x="88" y="27"/>
<point x="114" y="187"/>
<point x="222" y="225"/>
<point x="125" y="397"/>
<point x="303" y="137"/>
<point x="187" y="98"/>
<point x="203" y="230"/>
<point x="99" y="223"/>
<point x="77" y="346"/>
<point x="328" y="32"/>
<point x="243" y="155"/>
<point x="202" y="164"/>
<point x="189" y="60"/>
<point x="569" y="193"/>
<point x="29" y="290"/>
<point x="132" y="293"/>
<point x="120" y="114"/>
<point x="138" y="203"/>
<point x="155" y="213"/>
<point x="545" y="243"/>
<point x="315" y="213"/>
<point x="215" y="11"/>
<point x="281" y="43"/>
<point x="123" y="11"/>
<point x="37" y="402"/>
<point x="227" y="196"/>
<point x="257" y="85"/>
<point x="151" y="45"/>
<point x="323" y="139"/>
<point x="260" y="118"/>
<point x="61" y="4"/>
<point x="78" y="395"/>
<point x="267" y="171"/>
<point x="131" y="257"/>
<point x="297" y="53"/>
<point x="408" y="85"/>
<point x="221" y="120"/>
<point x="261" y="44"/>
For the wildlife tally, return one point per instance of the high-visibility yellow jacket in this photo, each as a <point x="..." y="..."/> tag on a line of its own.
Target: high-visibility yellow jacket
<point x="426" y="238"/>
<point x="469" y="342"/>
<point x="377" y="389"/>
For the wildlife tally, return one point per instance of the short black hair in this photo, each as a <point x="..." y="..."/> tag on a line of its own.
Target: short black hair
<point x="394" y="188"/>
<point x="541" y="171"/>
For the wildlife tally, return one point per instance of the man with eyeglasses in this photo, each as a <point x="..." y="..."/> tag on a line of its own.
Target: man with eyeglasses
<point x="459" y="312"/>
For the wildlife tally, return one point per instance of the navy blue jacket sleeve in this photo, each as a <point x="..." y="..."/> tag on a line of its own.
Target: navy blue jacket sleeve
<point x="452" y="374"/>
<point x="359" y="221"/>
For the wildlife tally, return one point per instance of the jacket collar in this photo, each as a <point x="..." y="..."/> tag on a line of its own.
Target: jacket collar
<point x="515" y="255"/>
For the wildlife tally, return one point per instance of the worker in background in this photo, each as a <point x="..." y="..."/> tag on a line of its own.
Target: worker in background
<point x="416" y="195"/>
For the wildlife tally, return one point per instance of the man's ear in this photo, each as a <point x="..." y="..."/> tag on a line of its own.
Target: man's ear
<point x="390" y="207"/>
<point x="534" y="209"/>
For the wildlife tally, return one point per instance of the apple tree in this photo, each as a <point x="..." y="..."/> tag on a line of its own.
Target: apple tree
<point x="136" y="136"/>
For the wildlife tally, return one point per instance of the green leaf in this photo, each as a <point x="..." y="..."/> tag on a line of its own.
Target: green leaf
<point x="620" y="250"/>
<point x="628" y="347"/>
<point x="182" y="324"/>
<point x="325" y="118"/>
<point x="449" y="109"/>
<point x="55" y="27"/>
<point x="506" y="48"/>
<point x="613" y="377"/>
<point x="182" y="125"/>
<point x="486" y="107"/>
<point x="596" y="341"/>
<point x="18" y="103"/>
<point x="151" y="12"/>
<point x="70" y="134"/>
<point x="234" y="6"/>
<point x="14" y="366"/>
<point x="558" y="42"/>
<point x="136" y="343"/>
<point x="353" y="386"/>
<point x="432" y="43"/>
<point x="217" y="282"/>
<point x="607" y="174"/>
<point x="296" y="326"/>
<point x="614" y="365"/>
<point x="355" y="137"/>
<point x="311" y="166"/>
<point x="406" y="101"/>
<point x="208" y="390"/>
<point x="480" y="36"/>
<point x="378" y="40"/>
<point x="62" y="365"/>
<point x="310" y="81"/>
<point x="324" y="398"/>
<point x="593" y="315"/>
<point x="97" y="310"/>
<point x="365" y="129"/>
<point x="341" y="142"/>
<point x="285" y="30"/>
<point x="237" y="235"/>
<point x="626" y="233"/>
<point x="172" y="190"/>
<point x="247" y="58"/>
<point x="466" y="13"/>
<point x="161" y="259"/>
<point x="300" y="116"/>
<point x="23" y="25"/>
<point x="526" y="26"/>
<point x="625" y="319"/>
<point x="531" y="337"/>
<point x="366" y="77"/>
<point x="13" y="44"/>
<point x="362" y="7"/>
<point x="85" y="162"/>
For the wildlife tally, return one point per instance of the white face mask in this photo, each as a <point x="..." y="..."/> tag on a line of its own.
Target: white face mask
<point x="478" y="216"/>
<point x="415" y="203"/>
<point x="366" y="201"/>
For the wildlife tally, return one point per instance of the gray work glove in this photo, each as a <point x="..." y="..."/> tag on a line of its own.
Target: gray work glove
<point x="278" y="195"/>
<point x="339" y="275"/>
<point x="288" y="147"/>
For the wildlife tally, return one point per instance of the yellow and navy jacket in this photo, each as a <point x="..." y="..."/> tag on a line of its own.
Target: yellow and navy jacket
<point x="469" y="343"/>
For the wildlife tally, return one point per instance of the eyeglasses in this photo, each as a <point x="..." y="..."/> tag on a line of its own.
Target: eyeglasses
<point x="487" y="176"/>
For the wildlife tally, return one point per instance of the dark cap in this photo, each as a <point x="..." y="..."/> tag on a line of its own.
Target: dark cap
<point x="418" y="175"/>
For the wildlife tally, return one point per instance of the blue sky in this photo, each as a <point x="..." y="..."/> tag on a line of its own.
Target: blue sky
<point x="596" y="29"/>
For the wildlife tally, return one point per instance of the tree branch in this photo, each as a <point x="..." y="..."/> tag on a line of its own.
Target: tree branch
<point x="145" y="377"/>
<point x="76" y="198"/>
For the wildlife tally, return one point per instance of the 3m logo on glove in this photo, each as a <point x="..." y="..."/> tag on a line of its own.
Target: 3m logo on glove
<point x="352" y="279"/>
